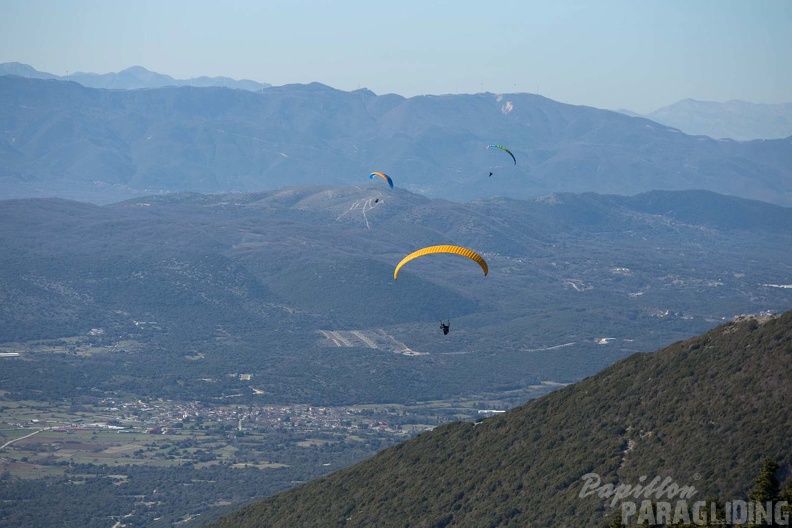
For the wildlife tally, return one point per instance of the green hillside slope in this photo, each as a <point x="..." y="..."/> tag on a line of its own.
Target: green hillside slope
<point x="703" y="412"/>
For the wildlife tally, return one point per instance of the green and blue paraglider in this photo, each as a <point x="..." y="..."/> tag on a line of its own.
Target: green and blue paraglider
<point x="504" y="149"/>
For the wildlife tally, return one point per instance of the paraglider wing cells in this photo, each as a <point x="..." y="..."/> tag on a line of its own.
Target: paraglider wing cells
<point x="458" y="250"/>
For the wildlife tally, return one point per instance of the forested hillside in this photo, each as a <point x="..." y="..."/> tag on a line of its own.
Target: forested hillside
<point x="705" y="412"/>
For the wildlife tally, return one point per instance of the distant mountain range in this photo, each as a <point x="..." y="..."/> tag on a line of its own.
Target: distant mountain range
<point x="701" y="413"/>
<point x="63" y="139"/>
<point x="136" y="77"/>
<point x="738" y="120"/>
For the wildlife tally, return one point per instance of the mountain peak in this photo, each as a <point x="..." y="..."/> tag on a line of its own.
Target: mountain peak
<point x="136" y="69"/>
<point x="23" y="70"/>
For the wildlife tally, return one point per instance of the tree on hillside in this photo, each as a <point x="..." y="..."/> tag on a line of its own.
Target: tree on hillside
<point x="766" y="486"/>
<point x="786" y="496"/>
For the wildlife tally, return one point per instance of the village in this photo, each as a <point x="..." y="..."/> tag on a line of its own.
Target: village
<point x="166" y="417"/>
<point x="113" y="431"/>
<point x="159" y="416"/>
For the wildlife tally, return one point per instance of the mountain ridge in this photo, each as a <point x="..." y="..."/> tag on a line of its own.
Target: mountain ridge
<point x="734" y="119"/>
<point x="108" y="145"/>
<point x="132" y="78"/>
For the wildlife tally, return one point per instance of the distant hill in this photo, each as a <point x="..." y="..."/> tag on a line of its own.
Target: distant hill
<point x="24" y="70"/>
<point x="739" y="120"/>
<point x="703" y="412"/>
<point x="296" y="284"/>
<point x="63" y="139"/>
<point x="136" y="77"/>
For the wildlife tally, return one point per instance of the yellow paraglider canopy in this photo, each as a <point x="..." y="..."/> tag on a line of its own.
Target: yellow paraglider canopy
<point x="469" y="253"/>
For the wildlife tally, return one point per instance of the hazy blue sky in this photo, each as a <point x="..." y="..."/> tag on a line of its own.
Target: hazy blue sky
<point x="634" y="54"/>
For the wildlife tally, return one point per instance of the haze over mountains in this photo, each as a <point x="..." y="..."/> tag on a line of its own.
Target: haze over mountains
<point x="135" y="77"/>
<point x="738" y="120"/>
<point x="63" y="139"/>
